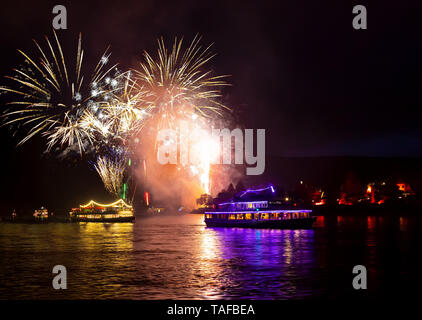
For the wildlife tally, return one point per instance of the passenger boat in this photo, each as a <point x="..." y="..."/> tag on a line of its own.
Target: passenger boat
<point x="259" y="214"/>
<point x="118" y="211"/>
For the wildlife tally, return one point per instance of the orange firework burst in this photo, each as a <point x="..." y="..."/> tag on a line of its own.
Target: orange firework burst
<point x="179" y="86"/>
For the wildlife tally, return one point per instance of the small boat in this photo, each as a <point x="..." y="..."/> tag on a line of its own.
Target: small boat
<point x="269" y="213"/>
<point x="40" y="215"/>
<point x="155" y="211"/>
<point x="164" y="211"/>
<point x="118" y="211"/>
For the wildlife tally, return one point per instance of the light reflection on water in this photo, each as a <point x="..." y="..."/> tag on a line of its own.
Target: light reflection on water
<point x="179" y="258"/>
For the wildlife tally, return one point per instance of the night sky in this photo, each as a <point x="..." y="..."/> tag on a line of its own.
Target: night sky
<point x="298" y="69"/>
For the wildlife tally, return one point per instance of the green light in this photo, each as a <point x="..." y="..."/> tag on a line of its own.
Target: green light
<point x="124" y="191"/>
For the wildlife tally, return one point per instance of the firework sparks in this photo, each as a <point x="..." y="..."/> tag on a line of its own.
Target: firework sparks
<point x="49" y="99"/>
<point x="111" y="172"/>
<point x="176" y="85"/>
<point x="204" y="151"/>
<point x="125" y="111"/>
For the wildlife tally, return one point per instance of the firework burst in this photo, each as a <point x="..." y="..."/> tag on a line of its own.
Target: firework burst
<point x="125" y="111"/>
<point x="179" y="87"/>
<point x="49" y="99"/>
<point x="176" y="85"/>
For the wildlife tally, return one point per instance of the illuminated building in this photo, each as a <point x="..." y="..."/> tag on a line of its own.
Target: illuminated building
<point x="405" y="189"/>
<point x="370" y="192"/>
<point x="384" y="192"/>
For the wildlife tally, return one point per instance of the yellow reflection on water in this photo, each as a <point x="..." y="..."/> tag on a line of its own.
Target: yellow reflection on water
<point x="371" y="222"/>
<point x="208" y="269"/>
<point x="209" y="249"/>
<point x="117" y="236"/>
<point x="403" y="223"/>
<point x="287" y="246"/>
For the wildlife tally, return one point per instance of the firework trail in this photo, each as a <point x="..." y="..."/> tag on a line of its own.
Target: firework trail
<point x="50" y="99"/>
<point x="111" y="172"/>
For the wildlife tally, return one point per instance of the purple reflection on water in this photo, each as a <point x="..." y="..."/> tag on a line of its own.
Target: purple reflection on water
<point x="265" y="263"/>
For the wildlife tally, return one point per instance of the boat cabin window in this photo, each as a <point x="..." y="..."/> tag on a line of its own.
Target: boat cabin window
<point x="232" y="217"/>
<point x="248" y="216"/>
<point x="240" y="216"/>
<point x="265" y="216"/>
<point x="251" y="205"/>
<point x="256" y="216"/>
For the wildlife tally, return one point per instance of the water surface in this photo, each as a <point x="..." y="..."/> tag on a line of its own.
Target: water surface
<point x="180" y="258"/>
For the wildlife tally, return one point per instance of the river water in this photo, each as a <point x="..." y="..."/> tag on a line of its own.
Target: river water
<point x="180" y="258"/>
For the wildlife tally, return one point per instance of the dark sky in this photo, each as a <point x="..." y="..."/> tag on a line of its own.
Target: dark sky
<point x="298" y="68"/>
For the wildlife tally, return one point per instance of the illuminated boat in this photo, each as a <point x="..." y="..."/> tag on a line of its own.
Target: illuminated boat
<point x="39" y="215"/>
<point x="259" y="214"/>
<point x="118" y="211"/>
